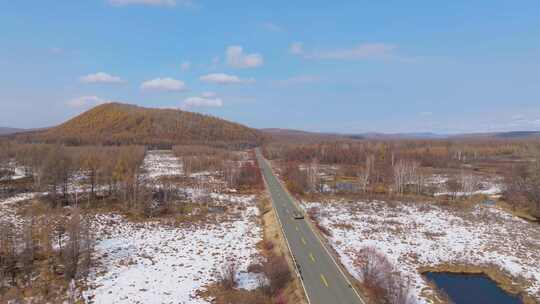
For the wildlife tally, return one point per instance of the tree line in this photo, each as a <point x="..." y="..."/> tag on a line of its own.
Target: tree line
<point x="404" y="167"/>
<point x="44" y="256"/>
<point x="55" y="169"/>
<point x="238" y="169"/>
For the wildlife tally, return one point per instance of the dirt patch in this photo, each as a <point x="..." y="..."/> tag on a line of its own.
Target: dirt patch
<point x="524" y="213"/>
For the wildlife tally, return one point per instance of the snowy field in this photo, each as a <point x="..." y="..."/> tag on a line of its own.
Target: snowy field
<point x="157" y="262"/>
<point x="8" y="206"/>
<point x="154" y="263"/>
<point x="18" y="171"/>
<point x="416" y="235"/>
<point x="161" y="163"/>
<point x="492" y="187"/>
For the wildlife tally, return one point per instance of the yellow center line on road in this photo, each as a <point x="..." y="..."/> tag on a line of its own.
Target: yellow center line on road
<point x="297" y="229"/>
<point x="303" y="241"/>
<point x="323" y="279"/>
<point x="312" y="257"/>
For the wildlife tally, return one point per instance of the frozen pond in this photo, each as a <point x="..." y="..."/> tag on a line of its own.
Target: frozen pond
<point x="471" y="288"/>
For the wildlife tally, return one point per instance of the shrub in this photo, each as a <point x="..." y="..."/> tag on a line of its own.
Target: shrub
<point x="381" y="278"/>
<point x="280" y="299"/>
<point x="313" y="214"/>
<point x="268" y="245"/>
<point x="278" y="273"/>
<point x="228" y="279"/>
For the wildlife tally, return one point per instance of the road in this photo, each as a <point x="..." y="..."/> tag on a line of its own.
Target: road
<point x="323" y="281"/>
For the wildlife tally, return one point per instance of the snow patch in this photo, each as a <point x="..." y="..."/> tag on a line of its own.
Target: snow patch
<point x="153" y="263"/>
<point x="415" y="235"/>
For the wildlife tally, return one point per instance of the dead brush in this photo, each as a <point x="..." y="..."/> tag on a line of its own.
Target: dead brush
<point x="344" y="226"/>
<point x="227" y="278"/>
<point x="323" y="229"/>
<point x="382" y="280"/>
<point x="434" y="235"/>
<point x="371" y="220"/>
<point x="268" y="245"/>
<point x="391" y="223"/>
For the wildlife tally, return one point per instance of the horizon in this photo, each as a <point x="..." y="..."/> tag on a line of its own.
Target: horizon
<point x="352" y="68"/>
<point x="443" y="135"/>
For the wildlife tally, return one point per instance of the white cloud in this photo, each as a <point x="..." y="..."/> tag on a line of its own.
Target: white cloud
<point x="236" y="58"/>
<point x="85" y="101"/>
<point x="298" y="80"/>
<point x="202" y="101"/>
<point x="164" y="84"/>
<point x="222" y="78"/>
<point x="362" y="51"/>
<point x="100" y="77"/>
<point x="208" y="94"/>
<point x="272" y="27"/>
<point x="296" y="48"/>
<point x="185" y="66"/>
<point x="169" y="3"/>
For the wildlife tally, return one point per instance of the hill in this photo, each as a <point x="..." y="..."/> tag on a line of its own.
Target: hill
<point x="6" y="131"/>
<point x="116" y="124"/>
<point x="298" y="136"/>
<point x="518" y="134"/>
<point x="288" y="135"/>
<point x="405" y="136"/>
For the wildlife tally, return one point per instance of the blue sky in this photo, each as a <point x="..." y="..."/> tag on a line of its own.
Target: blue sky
<point x="347" y="66"/>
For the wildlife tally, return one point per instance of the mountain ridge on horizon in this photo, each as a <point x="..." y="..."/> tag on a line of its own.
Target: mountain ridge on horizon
<point x="119" y="123"/>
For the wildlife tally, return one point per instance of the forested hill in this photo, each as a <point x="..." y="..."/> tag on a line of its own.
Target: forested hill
<point x="116" y="123"/>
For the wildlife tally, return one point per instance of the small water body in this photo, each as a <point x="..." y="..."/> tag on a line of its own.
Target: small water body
<point x="471" y="289"/>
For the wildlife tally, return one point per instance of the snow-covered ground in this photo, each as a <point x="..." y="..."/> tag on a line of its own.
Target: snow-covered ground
<point x="18" y="171"/>
<point x="416" y="235"/>
<point x="156" y="263"/>
<point x="491" y="190"/>
<point x="492" y="187"/>
<point x="161" y="163"/>
<point x="7" y="208"/>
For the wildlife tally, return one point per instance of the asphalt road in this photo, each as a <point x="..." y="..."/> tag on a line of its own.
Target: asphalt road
<point x="324" y="282"/>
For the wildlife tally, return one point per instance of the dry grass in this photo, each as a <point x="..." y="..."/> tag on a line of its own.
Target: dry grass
<point x="237" y="296"/>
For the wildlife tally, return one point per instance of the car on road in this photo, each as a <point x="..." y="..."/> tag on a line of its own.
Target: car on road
<point x="298" y="215"/>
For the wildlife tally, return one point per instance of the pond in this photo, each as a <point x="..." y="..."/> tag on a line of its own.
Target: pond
<point x="471" y="288"/>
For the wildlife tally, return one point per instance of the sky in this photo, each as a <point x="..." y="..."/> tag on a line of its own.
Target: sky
<point x="329" y="66"/>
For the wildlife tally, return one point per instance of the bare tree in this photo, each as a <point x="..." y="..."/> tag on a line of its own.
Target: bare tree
<point x="468" y="183"/>
<point x="55" y="172"/>
<point x="313" y="178"/>
<point x="27" y="254"/>
<point x="71" y="250"/>
<point x="405" y="173"/>
<point x="8" y="254"/>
